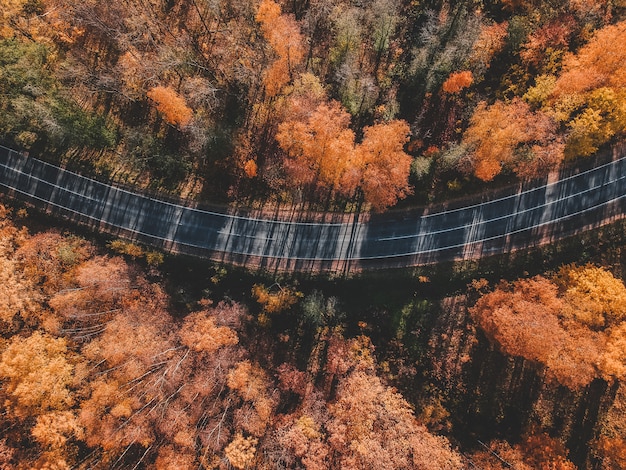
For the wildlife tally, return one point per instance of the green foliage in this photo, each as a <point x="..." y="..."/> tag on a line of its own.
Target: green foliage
<point x="34" y="113"/>
<point x="149" y="152"/>
<point x="319" y="310"/>
<point x="421" y="167"/>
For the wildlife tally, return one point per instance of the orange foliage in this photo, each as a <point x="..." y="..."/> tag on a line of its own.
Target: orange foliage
<point x="283" y="34"/>
<point x="371" y="423"/>
<point x="383" y="164"/>
<point x="251" y="384"/>
<point x="47" y="259"/>
<point x="590" y="94"/>
<point x="171" y="458"/>
<point x="250" y="168"/>
<point x="276" y="300"/>
<point x="489" y="43"/>
<point x="201" y="333"/>
<point x="535" y="452"/>
<point x="321" y="152"/>
<point x="38" y="373"/>
<point x="572" y="324"/>
<point x="318" y="149"/>
<point x="173" y="106"/>
<point x="54" y="429"/>
<point x="600" y="63"/>
<point x="458" y="81"/>
<point x="240" y="452"/>
<point x="550" y="37"/>
<point x="612" y="450"/>
<point x="512" y="135"/>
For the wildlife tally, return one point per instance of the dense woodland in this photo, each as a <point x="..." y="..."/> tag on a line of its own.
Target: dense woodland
<point x="116" y="357"/>
<point x="347" y="103"/>
<point x="100" y="368"/>
<point x="110" y="358"/>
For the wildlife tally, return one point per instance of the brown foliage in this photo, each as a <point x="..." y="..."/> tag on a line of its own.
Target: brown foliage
<point x="612" y="451"/>
<point x="358" y="423"/>
<point x="551" y="38"/>
<point x="489" y="43"/>
<point x="47" y="259"/>
<point x="535" y="452"/>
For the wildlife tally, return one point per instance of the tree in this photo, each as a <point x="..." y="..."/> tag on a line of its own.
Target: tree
<point x="572" y="323"/>
<point x="275" y="300"/>
<point x="200" y="332"/>
<point x="490" y="42"/>
<point x="593" y="296"/>
<point x="171" y="105"/>
<point x="458" y="81"/>
<point x="283" y="34"/>
<point x="371" y="425"/>
<point x="547" y="45"/>
<point x="240" y="452"/>
<point x="383" y="164"/>
<point x="512" y="135"/>
<point x="590" y="93"/>
<point x="536" y="451"/>
<point x="45" y="258"/>
<point x="54" y="429"/>
<point x="39" y="374"/>
<point x="317" y="149"/>
<point x="251" y="384"/>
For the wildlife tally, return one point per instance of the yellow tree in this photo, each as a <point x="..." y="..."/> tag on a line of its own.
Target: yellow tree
<point x="593" y="296"/>
<point x="39" y="373"/>
<point x="590" y="94"/>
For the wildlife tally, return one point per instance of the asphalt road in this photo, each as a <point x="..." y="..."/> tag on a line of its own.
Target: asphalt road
<point x="545" y="211"/>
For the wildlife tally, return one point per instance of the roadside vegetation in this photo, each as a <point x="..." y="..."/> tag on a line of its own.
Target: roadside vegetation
<point x="333" y="103"/>
<point x="113" y="355"/>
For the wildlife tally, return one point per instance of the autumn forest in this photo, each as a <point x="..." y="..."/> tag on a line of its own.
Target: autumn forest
<point x="117" y="356"/>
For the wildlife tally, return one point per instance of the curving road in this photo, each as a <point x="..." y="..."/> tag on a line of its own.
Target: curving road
<point x="558" y="207"/>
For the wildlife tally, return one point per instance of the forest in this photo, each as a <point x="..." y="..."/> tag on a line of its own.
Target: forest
<point x="116" y="356"/>
<point x="113" y="356"/>
<point x="334" y="104"/>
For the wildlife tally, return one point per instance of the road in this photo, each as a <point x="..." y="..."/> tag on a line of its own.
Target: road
<point x="530" y="215"/>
